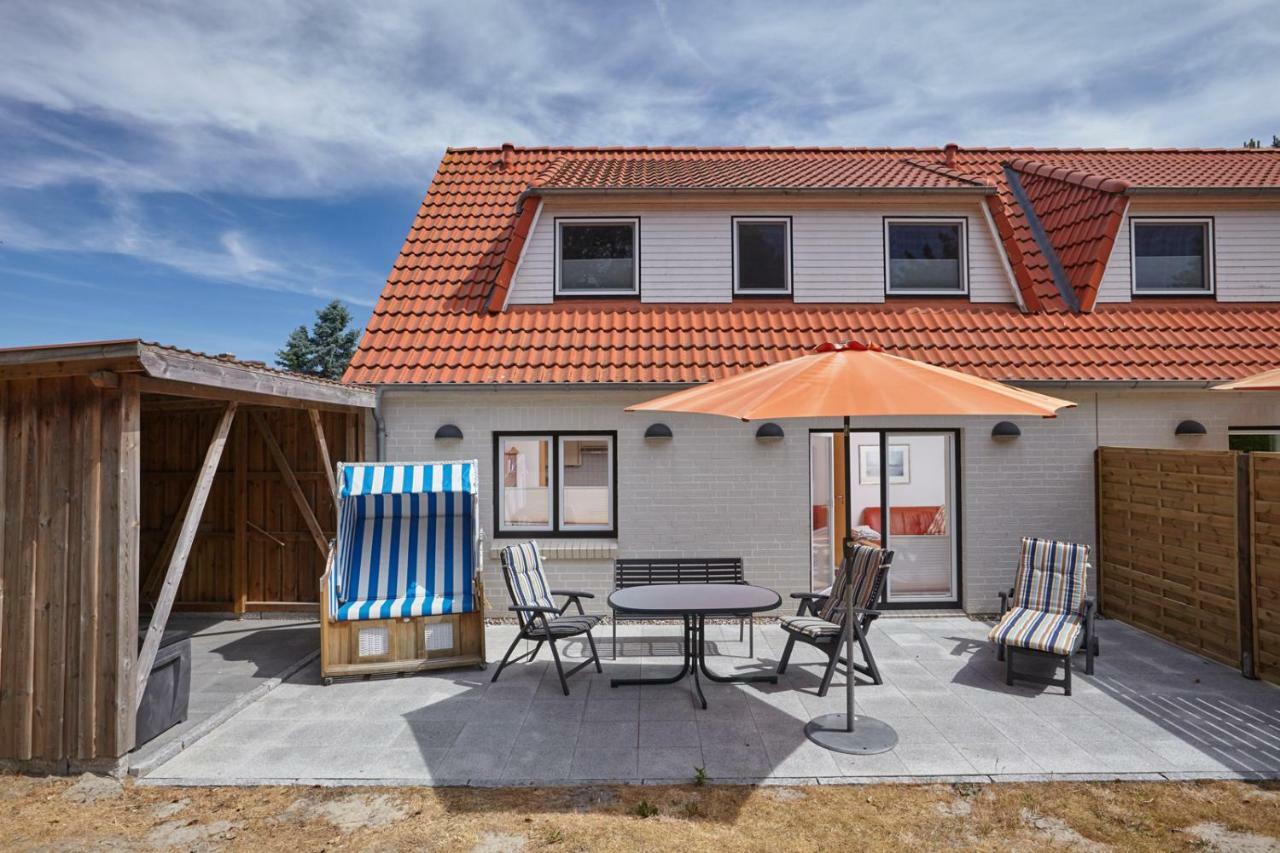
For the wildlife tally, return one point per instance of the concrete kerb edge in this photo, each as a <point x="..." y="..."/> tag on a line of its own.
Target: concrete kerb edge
<point x="207" y="725"/>
<point x="794" y="781"/>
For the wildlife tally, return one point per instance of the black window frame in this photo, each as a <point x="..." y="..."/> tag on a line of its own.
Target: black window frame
<point x="560" y="221"/>
<point x="962" y="222"/>
<point x="789" y="266"/>
<point x="555" y="531"/>
<point x="1210" y="260"/>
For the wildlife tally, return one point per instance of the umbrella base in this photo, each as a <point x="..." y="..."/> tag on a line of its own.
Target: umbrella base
<point x="869" y="736"/>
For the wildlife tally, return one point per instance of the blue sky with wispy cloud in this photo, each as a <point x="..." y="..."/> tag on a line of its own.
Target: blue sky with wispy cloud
<point x="209" y="174"/>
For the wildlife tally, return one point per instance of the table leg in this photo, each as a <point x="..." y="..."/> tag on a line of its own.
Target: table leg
<point x="694" y="625"/>
<point x="701" y="663"/>
<point x="686" y="667"/>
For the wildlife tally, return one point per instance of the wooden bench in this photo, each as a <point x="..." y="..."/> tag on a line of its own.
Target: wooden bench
<point x="644" y="572"/>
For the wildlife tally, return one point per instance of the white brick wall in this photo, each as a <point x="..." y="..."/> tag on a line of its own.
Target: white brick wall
<point x="715" y="490"/>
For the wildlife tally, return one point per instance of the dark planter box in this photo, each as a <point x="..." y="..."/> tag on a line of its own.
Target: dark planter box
<point x="164" y="704"/>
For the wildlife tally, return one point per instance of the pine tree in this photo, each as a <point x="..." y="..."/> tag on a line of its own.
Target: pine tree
<point x="1257" y="143"/>
<point x="296" y="355"/>
<point x="326" y="349"/>
<point x="332" y="342"/>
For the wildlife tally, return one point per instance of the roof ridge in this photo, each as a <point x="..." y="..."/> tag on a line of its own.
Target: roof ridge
<point x="1078" y="177"/>
<point x="855" y="149"/>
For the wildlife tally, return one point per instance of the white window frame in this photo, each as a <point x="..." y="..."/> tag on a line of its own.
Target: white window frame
<point x="561" y="525"/>
<point x="961" y="221"/>
<point x="1209" y="262"/>
<point x="633" y="221"/>
<point x="785" y="221"/>
<point x="500" y="480"/>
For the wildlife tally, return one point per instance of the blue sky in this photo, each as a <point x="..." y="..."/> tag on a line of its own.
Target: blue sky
<point x="210" y="174"/>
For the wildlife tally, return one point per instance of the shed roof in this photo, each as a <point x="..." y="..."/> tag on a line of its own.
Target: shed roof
<point x="176" y="369"/>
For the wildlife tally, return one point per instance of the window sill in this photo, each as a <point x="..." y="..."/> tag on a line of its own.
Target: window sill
<point x="563" y="549"/>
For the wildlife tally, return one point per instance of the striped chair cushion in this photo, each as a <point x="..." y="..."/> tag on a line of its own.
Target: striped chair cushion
<point x="1022" y="628"/>
<point x="1051" y="576"/>
<point x="526" y="580"/>
<point x="862" y="569"/>
<point x="811" y="627"/>
<point x="564" y="626"/>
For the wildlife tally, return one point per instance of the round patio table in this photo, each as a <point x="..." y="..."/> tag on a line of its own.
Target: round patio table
<point x="693" y="603"/>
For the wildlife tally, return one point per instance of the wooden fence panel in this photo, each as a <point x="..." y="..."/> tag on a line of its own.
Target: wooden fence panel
<point x="254" y="550"/>
<point x="1265" y="592"/>
<point x="1168" y="533"/>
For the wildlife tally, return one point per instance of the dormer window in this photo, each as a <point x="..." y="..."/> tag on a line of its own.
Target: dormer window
<point x="761" y="256"/>
<point x="926" y="257"/>
<point x="597" y="257"/>
<point x="1172" y="257"/>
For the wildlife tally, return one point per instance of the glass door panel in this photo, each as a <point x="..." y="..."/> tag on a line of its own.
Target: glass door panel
<point x="826" y="507"/>
<point x="922" y="534"/>
<point x="831" y="513"/>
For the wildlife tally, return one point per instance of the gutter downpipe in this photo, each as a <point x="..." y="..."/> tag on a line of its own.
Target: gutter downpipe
<point x="379" y="426"/>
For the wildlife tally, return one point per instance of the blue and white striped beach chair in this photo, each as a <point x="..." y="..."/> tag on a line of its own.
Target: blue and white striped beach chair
<point x="402" y="591"/>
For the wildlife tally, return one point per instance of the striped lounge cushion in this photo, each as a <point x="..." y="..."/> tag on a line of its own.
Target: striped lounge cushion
<point x="527" y="581"/>
<point x="1022" y="628"/>
<point x="1051" y="576"/>
<point x="817" y="629"/>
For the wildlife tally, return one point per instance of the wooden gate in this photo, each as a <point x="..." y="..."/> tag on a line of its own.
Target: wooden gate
<point x="1170" y="536"/>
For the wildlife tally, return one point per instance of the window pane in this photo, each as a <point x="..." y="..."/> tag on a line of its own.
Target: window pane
<point x="597" y="257"/>
<point x="924" y="257"/>
<point x="762" y="256"/>
<point x="526" y="488"/>
<point x="1254" y="442"/>
<point x="1169" y="256"/>
<point x="585" y="495"/>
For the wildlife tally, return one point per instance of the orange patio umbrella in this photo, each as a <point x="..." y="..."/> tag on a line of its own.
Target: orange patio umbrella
<point x="1268" y="381"/>
<point x="853" y="380"/>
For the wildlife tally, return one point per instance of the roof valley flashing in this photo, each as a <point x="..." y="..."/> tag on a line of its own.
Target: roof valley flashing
<point x="1060" y="280"/>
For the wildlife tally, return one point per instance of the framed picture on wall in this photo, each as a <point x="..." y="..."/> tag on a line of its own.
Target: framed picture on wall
<point x="869" y="464"/>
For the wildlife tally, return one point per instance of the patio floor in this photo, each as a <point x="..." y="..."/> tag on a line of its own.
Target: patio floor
<point x="232" y="661"/>
<point x="1151" y="711"/>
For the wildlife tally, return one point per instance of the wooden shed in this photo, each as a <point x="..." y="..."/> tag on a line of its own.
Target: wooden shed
<point x="140" y="477"/>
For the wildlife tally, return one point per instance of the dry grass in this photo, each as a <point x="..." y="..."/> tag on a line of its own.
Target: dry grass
<point x="54" y="813"/>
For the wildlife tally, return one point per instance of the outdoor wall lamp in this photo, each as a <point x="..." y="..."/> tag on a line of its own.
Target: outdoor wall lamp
<point x="1005" y="431"/>
<point x="448" y="431"/>
<point x="769" y="432"/>
<point x="658" y="431"/>
<point x="1190" y="428"/>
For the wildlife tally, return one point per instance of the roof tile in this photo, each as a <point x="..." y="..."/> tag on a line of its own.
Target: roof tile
<point x="431" y="323"/>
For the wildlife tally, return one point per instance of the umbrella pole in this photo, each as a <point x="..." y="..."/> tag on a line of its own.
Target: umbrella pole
<point x="836" y="731"/>
<point x="848" y="601"/>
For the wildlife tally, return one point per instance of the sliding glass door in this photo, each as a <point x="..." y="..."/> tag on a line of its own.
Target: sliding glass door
<point x="919" y="501"/>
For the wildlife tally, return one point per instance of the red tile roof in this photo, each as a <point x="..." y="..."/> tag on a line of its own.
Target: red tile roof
<point x="433" y="322"/>
<point x="1081" y="216"/>
<point x="623" y="341"/>
<point x="754" y="170"/>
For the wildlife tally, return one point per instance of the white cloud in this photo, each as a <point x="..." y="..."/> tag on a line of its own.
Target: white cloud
<point x="293" y="99"/>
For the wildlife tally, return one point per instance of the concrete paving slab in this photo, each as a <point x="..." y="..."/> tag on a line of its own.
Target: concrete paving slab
<point x="944" y="694"/>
